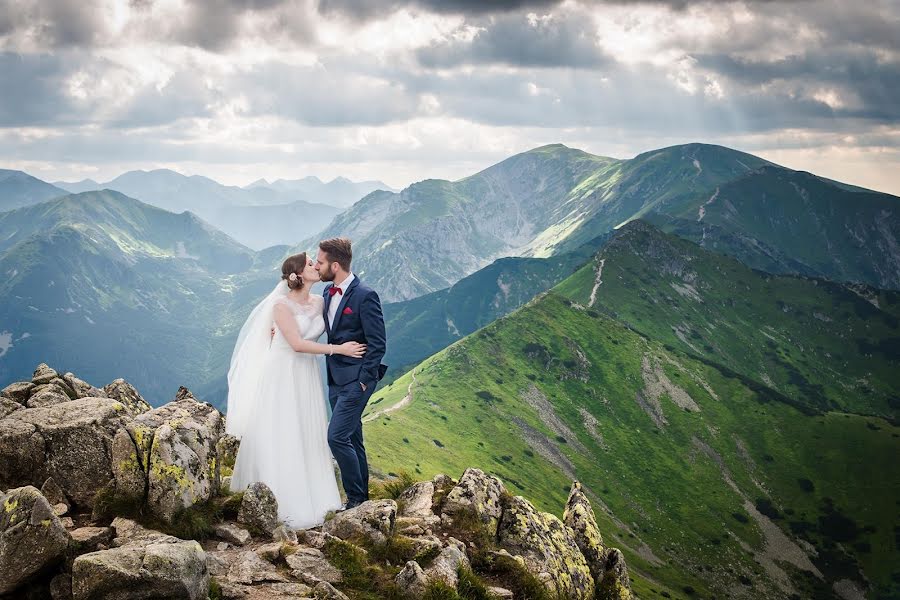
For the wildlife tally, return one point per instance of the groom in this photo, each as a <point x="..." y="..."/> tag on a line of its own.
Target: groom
<point x="352" y="313"/>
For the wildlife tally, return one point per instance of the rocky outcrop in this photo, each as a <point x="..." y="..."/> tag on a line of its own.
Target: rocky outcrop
<point x="607" y="564"/>
<point x="548" y="548"/>
<point x="372" y="520"/>
<point x="476" y="494"/>
<point x="32" y="539"/>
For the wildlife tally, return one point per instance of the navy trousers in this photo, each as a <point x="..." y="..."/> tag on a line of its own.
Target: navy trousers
<point x="345" y="437"/>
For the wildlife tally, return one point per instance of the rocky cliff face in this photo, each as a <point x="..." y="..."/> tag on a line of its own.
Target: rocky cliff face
<point x="101" y="496"/>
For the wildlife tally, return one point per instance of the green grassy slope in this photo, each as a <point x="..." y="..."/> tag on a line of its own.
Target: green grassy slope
<point x="709" y="482"/>
<point x="821" y="345"/>
<point x="420" y="327"/>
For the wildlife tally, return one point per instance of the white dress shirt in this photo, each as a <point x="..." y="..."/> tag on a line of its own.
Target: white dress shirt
<point x="336" y="299"/>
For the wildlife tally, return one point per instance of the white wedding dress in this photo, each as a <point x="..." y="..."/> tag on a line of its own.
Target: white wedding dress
<point x="284" y="440"/>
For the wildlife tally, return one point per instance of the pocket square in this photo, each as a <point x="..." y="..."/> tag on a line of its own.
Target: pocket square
<point x="348" y="311"/>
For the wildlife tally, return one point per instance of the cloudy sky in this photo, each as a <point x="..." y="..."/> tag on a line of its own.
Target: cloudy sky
<point x="402" y="90"/>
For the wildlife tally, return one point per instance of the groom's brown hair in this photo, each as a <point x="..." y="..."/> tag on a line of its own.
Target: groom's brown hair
<point x="338" y="250"/>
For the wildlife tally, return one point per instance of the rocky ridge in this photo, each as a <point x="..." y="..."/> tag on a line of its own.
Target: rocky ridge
<point x="101" y="496"/>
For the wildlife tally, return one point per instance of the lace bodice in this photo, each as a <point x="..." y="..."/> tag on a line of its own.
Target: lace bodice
<point x="308" y="317"/>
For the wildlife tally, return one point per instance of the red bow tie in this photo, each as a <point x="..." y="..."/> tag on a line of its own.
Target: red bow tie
<point x="335" y="290"/>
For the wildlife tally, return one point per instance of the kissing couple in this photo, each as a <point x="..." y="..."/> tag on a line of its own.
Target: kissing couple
<point x="276" y="397"/>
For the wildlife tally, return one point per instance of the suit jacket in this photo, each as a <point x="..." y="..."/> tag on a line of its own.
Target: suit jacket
<point x="363" y="323"/>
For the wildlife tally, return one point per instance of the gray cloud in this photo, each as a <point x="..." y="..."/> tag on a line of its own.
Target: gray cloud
<point x="34" y="93"/>
<point x="324" y="97"/>
<point x="567" y="39"/>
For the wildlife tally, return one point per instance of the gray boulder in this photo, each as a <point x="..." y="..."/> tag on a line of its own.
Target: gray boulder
<point x="32" y="538"/>
<point x="70" y="442"/>
<point x="259" y="509"/>
<point x="548" y="548"/>
<point x="249" y="569"/>
<point x="373" y="519"/>
<point x="48" y="394"/>
<point x="310" y="566"/>
<point x="416" y="500"/>
<point x="232" y="533"/>
<point x="43" y="374"/>
<point x="82" y="388"/>
<point x="445" y="566"/>
<point x="326" y="591"/>
<point x="476" y="494"/>
<point x="8" y="406"/>
<point x="156" y="570"/>
<point x="18" y="391"/>
<point x="411" y="580"/>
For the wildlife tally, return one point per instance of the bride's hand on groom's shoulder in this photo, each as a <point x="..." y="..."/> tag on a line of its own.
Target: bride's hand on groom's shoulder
<point x="352" y="349"/>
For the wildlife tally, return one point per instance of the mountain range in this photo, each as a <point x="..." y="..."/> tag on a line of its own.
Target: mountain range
<point x="258" y="216"/>
<point x="553" y="199"/>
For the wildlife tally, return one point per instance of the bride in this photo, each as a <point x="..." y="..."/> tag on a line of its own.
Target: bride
<point x="276" y="399"/>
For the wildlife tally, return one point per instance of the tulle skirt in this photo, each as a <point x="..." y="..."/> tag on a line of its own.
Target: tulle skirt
<point x="285" y="443"/>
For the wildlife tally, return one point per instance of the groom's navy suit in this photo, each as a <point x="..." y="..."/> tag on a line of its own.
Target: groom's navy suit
<point x="358" y="319"/>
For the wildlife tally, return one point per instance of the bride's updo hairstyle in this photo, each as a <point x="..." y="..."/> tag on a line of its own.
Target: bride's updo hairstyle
<point x="291" y="270"/>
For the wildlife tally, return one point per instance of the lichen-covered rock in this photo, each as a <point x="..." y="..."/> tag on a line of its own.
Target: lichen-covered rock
<point x="259" y="509"/>
<point x="411" y="580"/>
<point x="249" y="568"/>
<point x="129" y="472"/>
<point x="18" y="391"/>
<point x="500" y="593"/>
<point x="31" y="537"/>
<point x="547" y="546"/>
<point x="616" y="584"/>
<point x="8" y="406"/>
<point x="373" y="519"/>
<point x="48" y="394"/>
<point x="176" y="445"/>
<point x="227" y="448"/>
<point x="43" y="374"/>
<point x="476" y="493"/>
<point x="232" y="533"/>
<point x="447" y="563"/>
<point x="310" y="566"/>
<point x="125" y="393"/>
<point x="70" y="442"/>
<point x="82" y="388"/>
<point x="161" y="570"/>
<point x="416" y="500"/>
<point x="579" y="517"/>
